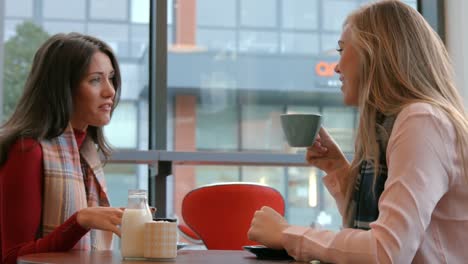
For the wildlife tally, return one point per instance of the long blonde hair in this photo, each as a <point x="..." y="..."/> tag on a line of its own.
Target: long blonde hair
<point x="402" y="61"/>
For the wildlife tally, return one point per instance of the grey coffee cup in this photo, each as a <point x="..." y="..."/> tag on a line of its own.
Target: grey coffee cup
<point x="301" y="129"/>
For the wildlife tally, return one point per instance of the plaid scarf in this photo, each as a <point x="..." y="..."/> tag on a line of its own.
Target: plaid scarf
<point x="73" y="180"/>
<point x="364" y="203"/>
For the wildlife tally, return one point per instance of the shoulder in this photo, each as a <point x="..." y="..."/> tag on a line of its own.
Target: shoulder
<point x="424" y="127"/>
<point x="24" y="159"/>
<point x="424" y="113"/>
<point x="419" y="108"/>
<point x="25" y="147"/>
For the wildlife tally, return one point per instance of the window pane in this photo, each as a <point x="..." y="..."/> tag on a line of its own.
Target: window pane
<point x="223" y="135"/>
<point x="122" y="131"/>
<point x="335" y="11"/>
<point x="68" y="10"/>
<point x="100" y="9"/>
<point x="258" y="41"/>
<point x="116" y="35"/>
<point x="300" y="14"/>
<point x="120" y="178"/>
<point x="140" y="11"/>
<point x="292" y="109"/>
<point x="310" y="204"/>
<point x="412" y="3"/>
<point x="264" y="118"/>
<point x="19" y="8"/>
<point x="258" y="13"/>
<point x="300" y="43"/>
<point x="271" y="176"/>
<point x="139" y="41"/>
<point x="24" y="38"/>
<point x="10" y="28"/>
<point x="216" y="174"/>
<point x="216" y="39"/>
<point x="224" y="16"/>
<point x="330" y="43"/>
<point x="341" y="124"/>
<point x="63" y="27"/>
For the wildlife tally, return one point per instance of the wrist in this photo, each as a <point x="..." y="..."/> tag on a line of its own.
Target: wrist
<point x="338" y="168"/>
<point x="81" y="218"/>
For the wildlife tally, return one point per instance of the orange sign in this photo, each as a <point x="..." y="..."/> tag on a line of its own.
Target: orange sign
<point x="325" y="69"/>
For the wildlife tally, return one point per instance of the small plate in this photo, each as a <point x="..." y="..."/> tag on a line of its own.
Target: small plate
<point x="181" y="245"/>
<point x="263" y="252"/>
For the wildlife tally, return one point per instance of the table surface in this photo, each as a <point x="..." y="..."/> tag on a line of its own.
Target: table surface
<point x="183" y="257"/>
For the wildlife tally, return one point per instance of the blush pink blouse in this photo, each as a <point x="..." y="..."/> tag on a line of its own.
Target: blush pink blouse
<point x="423" y="209"/>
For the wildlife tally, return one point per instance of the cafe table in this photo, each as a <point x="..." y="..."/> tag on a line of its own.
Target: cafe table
<point x="113" y="257"/>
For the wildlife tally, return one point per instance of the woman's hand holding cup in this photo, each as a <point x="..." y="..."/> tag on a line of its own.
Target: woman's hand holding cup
<point x="305" y="130"/>
<point x="102" y="218"/>
<point x="325" y="153"/>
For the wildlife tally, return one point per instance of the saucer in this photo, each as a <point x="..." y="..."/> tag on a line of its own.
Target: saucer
<point x="181" y="245"/>
<point x="263" y="252"/>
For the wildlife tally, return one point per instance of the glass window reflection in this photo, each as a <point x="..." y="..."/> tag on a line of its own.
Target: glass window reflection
<point x="300" y="14"/>
<point x="68" y="10"/>
<point x="99" y="9"/>
<point x="19" y="8"/>
<point x="215" y="13"/>
<point x="335" y="11"/>
<point x="258" y="13"/>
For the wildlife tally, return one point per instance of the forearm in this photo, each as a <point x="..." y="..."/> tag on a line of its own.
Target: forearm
<point x="337" y="187"/>
<point x="347" y="246"/>
<point x="21" y="207"/>
<point x="63" y="238"/>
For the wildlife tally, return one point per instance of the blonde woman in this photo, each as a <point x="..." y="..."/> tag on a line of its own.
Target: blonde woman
<point x="404" y="196"/>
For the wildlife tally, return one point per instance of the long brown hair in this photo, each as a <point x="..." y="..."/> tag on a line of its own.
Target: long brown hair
<point x="45" y="107"/>
<point x="402" y="61"/>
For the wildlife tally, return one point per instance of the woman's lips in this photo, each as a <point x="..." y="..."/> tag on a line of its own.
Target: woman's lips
<point x="106" y="107"/>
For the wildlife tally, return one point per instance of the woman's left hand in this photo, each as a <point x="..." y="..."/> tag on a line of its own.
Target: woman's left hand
<point x="267" y="228"/>
<point x="102" y="218"/>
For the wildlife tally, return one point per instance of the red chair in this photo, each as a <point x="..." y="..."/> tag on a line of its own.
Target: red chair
<point x="189" y="234"/>
<point x="221" y="213"/>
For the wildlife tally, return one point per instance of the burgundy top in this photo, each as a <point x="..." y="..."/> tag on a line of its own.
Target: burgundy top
<point x="21" y="184"/>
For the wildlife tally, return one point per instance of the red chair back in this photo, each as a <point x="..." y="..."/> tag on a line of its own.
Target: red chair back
<point x="221" y="213"/>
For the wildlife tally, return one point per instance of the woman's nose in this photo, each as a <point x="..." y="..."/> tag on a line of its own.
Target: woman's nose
<point x="109" y="90"/>
<point x="337" y="68"/>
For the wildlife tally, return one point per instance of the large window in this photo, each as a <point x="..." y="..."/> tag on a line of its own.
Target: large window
<point x="233" y="67"/>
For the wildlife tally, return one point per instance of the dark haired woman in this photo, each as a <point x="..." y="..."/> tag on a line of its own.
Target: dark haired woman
<point x="52" y="188"/>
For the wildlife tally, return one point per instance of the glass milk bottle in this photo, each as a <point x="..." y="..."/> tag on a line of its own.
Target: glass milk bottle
<point x="134" y="218"/>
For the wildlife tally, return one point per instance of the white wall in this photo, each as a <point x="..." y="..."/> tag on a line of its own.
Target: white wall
<point x="456" y="22"/>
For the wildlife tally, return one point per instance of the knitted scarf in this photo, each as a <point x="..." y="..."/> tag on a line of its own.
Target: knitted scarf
<point x="364" y="202"/>
<point x="73" y="180"/>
